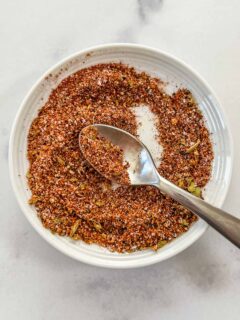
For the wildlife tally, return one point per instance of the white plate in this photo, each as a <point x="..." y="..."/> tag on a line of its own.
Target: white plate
<point x="156" y="63"/>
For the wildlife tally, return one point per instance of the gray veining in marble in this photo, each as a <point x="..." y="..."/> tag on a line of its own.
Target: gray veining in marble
<point x="146" y="7"/>
<point x="36" y="281"/>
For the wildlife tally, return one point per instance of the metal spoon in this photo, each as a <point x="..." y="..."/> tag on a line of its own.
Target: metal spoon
<point x="142" y="171"/>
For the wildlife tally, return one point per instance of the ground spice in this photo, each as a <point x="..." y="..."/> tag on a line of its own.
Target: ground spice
<point x="73" y="199"/>
<point x="104" y="156"/>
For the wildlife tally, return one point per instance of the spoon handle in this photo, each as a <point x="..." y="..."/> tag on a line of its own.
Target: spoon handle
<point x="223" y="222"/>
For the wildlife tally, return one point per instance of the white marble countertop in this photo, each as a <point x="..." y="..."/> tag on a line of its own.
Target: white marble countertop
<point x="38" y="282"/>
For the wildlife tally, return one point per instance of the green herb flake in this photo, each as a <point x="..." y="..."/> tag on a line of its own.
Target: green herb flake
<point x="33" y="200"/>
<point x="159" y="245"/>
<point x="97" y="226"/>
<point x="74" y="228"/>
<point x="60" y="161"/>
<point x="193" y="147"/>
<point x="184" y="223"/>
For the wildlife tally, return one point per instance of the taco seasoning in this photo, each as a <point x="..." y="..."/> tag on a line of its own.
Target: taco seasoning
<point x="72" y="199"/>
<point x="104" y="156"/>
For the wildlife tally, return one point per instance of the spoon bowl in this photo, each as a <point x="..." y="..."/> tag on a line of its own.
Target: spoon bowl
<point x="142" y="170"/>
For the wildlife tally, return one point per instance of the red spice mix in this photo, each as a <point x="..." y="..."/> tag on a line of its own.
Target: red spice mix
<point x="104" y="156"/>
<point x="73" y="199"/>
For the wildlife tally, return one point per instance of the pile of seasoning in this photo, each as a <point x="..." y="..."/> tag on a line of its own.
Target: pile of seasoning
<point x="72" y="199"/>
<point x="104" y="156"/>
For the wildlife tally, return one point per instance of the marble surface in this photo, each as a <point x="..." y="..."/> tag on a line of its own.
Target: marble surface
<point x="36" y="281"/>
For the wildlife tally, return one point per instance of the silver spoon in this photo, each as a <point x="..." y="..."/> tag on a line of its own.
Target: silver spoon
<point x="142" y="171"/>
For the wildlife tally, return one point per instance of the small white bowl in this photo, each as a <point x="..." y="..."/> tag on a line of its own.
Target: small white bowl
<point x="154" y="62"/>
